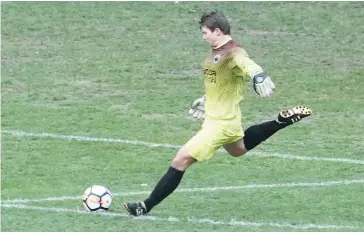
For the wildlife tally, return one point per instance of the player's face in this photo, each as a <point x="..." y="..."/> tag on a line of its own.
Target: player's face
<point x="211" y="37"/>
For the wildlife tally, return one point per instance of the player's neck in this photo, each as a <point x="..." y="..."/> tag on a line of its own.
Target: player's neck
<point x="224" y="40"/>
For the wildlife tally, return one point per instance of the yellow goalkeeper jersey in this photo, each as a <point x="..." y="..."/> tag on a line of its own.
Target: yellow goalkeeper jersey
<point x="226" y="70"/>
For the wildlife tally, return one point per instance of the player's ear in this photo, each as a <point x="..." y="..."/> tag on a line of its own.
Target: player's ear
<point x="217" y="31"/>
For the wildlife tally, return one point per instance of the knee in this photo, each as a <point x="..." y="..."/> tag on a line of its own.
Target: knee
<point x="240" y="151"/>
<point x="237" y="154"/>
<point x="182" y="160"/>
<point x="178" y="163"/>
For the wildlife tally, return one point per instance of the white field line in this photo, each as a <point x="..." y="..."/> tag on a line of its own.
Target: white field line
<point x="207" y="189"/>
<point x="148" y="144"/>
<point x="189" y="220"/>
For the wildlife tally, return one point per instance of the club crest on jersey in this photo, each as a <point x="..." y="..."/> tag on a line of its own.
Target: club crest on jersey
<point x="216" y="59"/>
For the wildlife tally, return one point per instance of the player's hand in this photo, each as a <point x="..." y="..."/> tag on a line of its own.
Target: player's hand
<point x="263" y="85"/>
<point x="197" y="109"/>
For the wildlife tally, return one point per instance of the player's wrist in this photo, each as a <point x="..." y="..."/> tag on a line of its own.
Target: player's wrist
<point x="259" y="78"/>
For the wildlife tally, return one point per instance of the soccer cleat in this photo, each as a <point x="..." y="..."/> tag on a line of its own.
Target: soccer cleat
<point x="136" y="208"/>
<point x="293" y="115"/>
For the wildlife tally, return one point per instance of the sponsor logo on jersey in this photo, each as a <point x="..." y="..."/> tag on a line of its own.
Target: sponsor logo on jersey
<point x="216" y="59"/>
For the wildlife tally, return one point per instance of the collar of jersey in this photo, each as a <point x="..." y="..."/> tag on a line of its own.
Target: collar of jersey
<point x="223" y="44"/>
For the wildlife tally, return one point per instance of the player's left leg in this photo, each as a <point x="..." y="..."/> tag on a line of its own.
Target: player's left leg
<point x="166" y="185"/>
<point x="256" y="134"/>
<point x="199" y="148"/>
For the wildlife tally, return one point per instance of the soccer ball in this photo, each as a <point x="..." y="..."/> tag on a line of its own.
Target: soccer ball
<point x="97" y="198"/>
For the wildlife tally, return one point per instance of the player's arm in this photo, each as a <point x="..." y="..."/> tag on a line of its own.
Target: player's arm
<point x="263" y="85"/>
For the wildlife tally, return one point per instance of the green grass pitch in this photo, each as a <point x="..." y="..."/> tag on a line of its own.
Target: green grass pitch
<point x="121" y="75"/>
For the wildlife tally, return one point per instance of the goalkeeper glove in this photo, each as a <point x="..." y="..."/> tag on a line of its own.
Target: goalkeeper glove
<point x="263" y="85"/>
<point x="197" y="109"/>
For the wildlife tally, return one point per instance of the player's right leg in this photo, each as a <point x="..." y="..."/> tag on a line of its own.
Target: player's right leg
<point x="256" y="134"/>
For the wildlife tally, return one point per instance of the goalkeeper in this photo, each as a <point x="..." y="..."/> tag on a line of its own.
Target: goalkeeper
<point x="227" y="69"/>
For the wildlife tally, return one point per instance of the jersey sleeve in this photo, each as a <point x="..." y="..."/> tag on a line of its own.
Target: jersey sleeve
<point x="243" y="66"/>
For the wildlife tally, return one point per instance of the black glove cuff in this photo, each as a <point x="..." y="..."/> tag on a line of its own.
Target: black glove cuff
<point x="259" y="78"/>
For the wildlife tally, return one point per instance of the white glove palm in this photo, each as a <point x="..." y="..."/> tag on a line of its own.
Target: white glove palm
<point x="263" y="85"/>
<point x="197" y="109"/>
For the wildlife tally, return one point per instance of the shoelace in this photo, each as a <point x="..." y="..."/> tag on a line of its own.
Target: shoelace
<point x="139" y="210"/>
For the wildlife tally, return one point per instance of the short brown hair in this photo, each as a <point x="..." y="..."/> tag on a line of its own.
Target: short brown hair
<point x="215" y="19"/>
